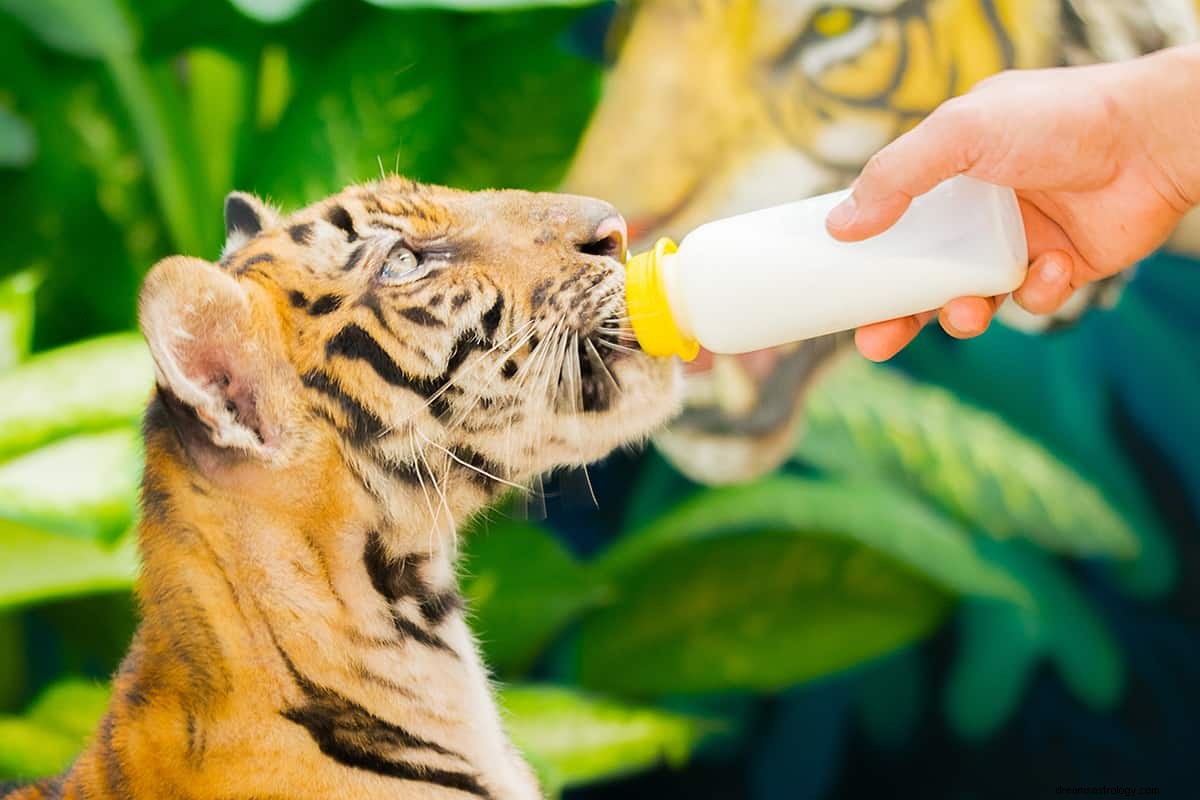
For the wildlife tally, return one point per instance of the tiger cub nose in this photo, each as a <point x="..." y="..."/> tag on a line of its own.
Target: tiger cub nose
<point x="595" y="228"/>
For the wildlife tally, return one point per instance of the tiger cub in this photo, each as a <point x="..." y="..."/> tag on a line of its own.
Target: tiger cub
<point x="346" y="385"/>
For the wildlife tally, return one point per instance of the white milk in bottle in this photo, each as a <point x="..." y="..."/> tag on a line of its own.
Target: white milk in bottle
<point x="775" y="276"/>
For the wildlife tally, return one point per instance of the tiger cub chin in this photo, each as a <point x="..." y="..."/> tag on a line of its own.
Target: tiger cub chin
<point x="332" y="397"/>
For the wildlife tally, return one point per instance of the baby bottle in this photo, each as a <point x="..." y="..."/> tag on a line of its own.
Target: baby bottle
<point x="774" y="276"/>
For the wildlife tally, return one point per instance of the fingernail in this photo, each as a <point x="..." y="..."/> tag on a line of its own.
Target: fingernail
<point x="843" y="214"/>
<point x="1052" y="273"/>
<point x="960" y="319"/>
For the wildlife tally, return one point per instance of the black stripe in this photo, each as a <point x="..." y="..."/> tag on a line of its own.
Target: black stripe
<point x="459" y="300"/>
<point x="421" y="317"/>
<point x="301" y="233"/>
<point x="297" y="299"/>
<point x="241" y="216"/>
<point x="392" y="577"/>
<point x="355" y="257"/>
<point x="261" y="258"/>
<point x="340" y="217"/>
<point x="371" y="300"/>
<point x="364" y="424"/>
<point x="491" y="319"/>
<point x="396" y="578"/>
<point x="325" y="304"/>
<point x="115" y="779"/>
<point x="509" y="370"/>
<point x="539" y="293"/>
<point x="479" y="462"/>
<point x="355" y="343"/>
<point x="352" y="735"/>
<point x="437" y="606"/>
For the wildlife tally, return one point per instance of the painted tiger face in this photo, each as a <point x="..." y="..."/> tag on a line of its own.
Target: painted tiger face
<point x="716" y="107"/>
<point x="419" y="325"/>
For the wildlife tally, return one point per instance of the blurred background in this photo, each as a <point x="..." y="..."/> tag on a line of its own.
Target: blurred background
<point x="972" y="572"/>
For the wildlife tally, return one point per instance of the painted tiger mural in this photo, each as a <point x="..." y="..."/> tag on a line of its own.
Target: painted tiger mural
<point x="716" y="107"/>
<point x="332" y="398"/>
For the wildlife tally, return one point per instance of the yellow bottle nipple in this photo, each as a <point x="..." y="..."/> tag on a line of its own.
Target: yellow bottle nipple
<point x="649" y="310"/>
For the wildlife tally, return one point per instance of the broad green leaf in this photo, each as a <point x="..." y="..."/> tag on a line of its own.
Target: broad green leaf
<point x="578" y="738"/>
<point x="270" y="11"/>
<point x="867" y="513"/>
<point x="85" y="485"/>
<point x="16" y="316"/>
<point x="219" y="105"/>
<point x="18" y="142"/>
<point x="38" y="565"/>
<point x="522" y="587"/>
<point x="14" y="672"/>
<point x="52" y="732"/>
<point x="1002" y="644"/>
<point x="29" y="750"/>
<point x="92" y="28"/>
<point x="91" y="385"/>
<point x="71" y="706"/>
<point x="752" y="611"/>
<point x="868" y="419"/>
<point x="384" y="99"/>
<point x="509" y="136"/>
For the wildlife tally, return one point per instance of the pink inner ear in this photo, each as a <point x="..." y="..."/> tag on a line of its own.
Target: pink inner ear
<point x="209" y="367"/>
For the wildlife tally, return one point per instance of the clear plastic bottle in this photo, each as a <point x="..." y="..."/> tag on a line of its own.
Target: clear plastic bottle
<point x="775" y="276"/>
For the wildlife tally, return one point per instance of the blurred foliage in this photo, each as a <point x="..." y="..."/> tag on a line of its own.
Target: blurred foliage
<point x="983" y="498"/>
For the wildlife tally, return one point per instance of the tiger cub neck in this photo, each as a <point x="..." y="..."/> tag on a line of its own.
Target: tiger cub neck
<point x="297" y="644"/>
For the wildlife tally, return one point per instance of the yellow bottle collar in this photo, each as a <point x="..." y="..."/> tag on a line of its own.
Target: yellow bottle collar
<point x="649" y="310"/>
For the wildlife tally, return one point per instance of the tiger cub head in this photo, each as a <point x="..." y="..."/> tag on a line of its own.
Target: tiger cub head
<point x="428" y="334"/>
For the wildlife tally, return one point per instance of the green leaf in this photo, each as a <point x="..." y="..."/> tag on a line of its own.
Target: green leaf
<point x="219" y="106"/>
<point x="752" y="611"/>
<point x="18" y="143"/>
<point x="522" y="588"/>
<point x="37" y="565"/>
<point x="16" y="316"/>
<point x="867" y="419"/>
<point x="577" y="738"/>
<point x="29" y="750"/>
<point x="71" y="706"/>
<point x="270" y="11"/>
<point x="1002" y="644"/>
<point x="85" y="485"/>
<point x="93" y="28"/>
<point x="54" y="730"/>
<point x="867" y="513"/>
<point x="95" y="384"/>
<point x="509" y="136"/>
<point x="383" y="99"/>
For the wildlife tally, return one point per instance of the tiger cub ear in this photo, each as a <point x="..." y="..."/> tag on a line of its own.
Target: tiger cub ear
<point x="245" y="217"/>
<point x="217" y="357"/>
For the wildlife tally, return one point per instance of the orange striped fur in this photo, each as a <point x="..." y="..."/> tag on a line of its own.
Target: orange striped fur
<point x="347" y="385"/>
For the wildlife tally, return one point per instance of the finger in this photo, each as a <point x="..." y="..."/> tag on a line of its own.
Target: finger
<point x="964" y="317"/>
<point x="882" y="340"/>
<point x="941" y="146"/>
<point x="1047" y="284"/>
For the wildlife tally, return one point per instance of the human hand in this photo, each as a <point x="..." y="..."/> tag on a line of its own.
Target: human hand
<point x="1103" y="160"/>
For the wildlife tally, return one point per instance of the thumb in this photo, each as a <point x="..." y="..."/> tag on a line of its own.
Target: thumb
<point x="940" y="147"/>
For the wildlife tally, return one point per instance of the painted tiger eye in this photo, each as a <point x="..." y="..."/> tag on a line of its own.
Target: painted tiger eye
<point x="833" y="21"/>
